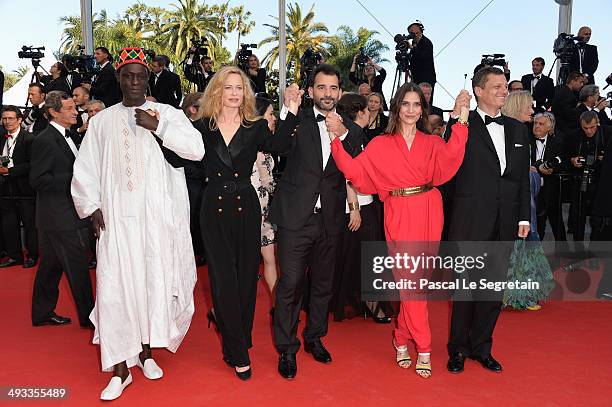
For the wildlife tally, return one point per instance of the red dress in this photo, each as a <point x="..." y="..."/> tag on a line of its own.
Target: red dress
<point x="387" y="164"/>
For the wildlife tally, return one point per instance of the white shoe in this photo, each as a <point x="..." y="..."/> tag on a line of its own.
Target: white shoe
<point x="150" y="369"/>
<point x="115" y="387"/>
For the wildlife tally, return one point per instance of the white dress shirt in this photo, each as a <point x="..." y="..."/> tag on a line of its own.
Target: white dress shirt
<point x="498" y="137"/>
<point x="9" y="147"/>
<point x="63" y="131"/>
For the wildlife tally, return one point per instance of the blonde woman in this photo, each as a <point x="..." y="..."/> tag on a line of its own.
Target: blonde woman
<point x="230" y="215"/>
<point x="519" y="106"/>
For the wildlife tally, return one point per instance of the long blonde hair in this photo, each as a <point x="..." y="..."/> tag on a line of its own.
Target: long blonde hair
<point x="213" y="98"/>
<point x="516" y="103"/>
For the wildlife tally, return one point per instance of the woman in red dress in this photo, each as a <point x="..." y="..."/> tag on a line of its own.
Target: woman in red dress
<point x="401" y="167"/>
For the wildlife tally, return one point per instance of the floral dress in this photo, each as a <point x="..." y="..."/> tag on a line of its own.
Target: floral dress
<point x="263" y="182"/>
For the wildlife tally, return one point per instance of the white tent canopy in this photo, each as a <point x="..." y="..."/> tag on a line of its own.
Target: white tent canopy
<point x="18" y="93"/>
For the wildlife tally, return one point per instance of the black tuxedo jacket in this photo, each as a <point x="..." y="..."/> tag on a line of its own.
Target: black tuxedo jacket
<point x="16" y="184"/>
<point x="422" y="62"/>
<point x="589" y="62"/>
<point x="50" y="175"/>
<point x="486" y="205"/>
<point x="40" y="120"/>
<point x="556" y="146"/>
<point x="105" y="87"/>
<point x="564" y="108"/>
<point x="304" y="178"/>
<point x="167" y="89"/>
<point x="195" y="75"/>
<point x="542" y="93"/>
<point x="603" y="116"/>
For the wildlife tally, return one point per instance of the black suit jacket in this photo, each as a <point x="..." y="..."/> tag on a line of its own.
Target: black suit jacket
<point x="17" y="184"/>
<point x="1" y="87"/>
<point x="422" y="62"/>
<point x="304" y="179"/>
<point x="589" y="62"/>
<point x="542" y="93"/>
<point x="556" y="146"/>
<point x="194" y="74"/>
<point x="564" y="108"/>
<point x="50" y="175"/>
<point x="603" y="116"/>
<point x="483" y="201"/>
<point x="167" y="89"/>
<point x="105" y="87"/>
<point x="40" y="120"/>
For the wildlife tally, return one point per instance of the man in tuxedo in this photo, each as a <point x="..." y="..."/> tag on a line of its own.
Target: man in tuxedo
<point x="16" y="196"/>
<point x="584" y="58"/>
<point x="35" y="120"/>
<point x="201" y="73"/>
<point x="421" y="57"/>
<point x="105" y="87"/>
<point x="491" y="203"/>
<point x="308" y="208"/>
<point x="565" y="101"/>
<point x="427" y="91"/>
<point x="63" y="236"/>
<point x="80" y="95"/>
<point x="164" y="86"/>
<point x="548" y="147"/>
<point x="515" y="86"/>
<point x="590" y="100"/>
<point x="541" y="87"/>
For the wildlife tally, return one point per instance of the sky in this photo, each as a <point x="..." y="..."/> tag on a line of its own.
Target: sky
<point x="521" y="29"/>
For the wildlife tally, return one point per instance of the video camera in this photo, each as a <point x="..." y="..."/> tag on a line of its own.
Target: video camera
<point x="402" y="50"/>
<point x="308" y="62"/>
<point x="243" y="56"/>
<point x="31" y="52"/>
<point x="199" y="49"/>
<point x="565" y="44"/>
<point x="493" y="60"/>
<point x="362" y="59"/>
<point x="82" y="63"/>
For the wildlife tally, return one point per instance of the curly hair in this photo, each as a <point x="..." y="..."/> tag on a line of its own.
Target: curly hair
<point x="213" y="98"/>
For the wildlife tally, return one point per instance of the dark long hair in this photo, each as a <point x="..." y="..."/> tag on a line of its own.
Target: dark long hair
<point x="395" y="124"/>
<point x="261" y="105"/>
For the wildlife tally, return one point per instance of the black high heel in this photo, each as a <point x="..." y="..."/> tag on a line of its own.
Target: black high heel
<point x="246" y="375"/>
<point x="367" y="312"/>
<point x="211" y="318"/>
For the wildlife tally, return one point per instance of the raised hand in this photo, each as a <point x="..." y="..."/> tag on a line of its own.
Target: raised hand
<point x="335" y="126"/>
<point x="293" y="98"/>
<point x="148" y="119"/>
<point x="462" y="105"/>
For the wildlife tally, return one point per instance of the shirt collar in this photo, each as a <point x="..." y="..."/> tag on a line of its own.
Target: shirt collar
<point x="317" y="111"/>
<point x="59" y="128"/>
<point x="483" y="114"/>
<point x="104" y="64"/>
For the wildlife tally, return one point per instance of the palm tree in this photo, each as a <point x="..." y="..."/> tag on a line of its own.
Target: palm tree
<point x="346" y="44"/>
<point x="239" y="20"/>
<point x="189" y="20"/>
<point x="20" y="72"/>
<point x="302" y="33"/>
<point x="72" y="36"/>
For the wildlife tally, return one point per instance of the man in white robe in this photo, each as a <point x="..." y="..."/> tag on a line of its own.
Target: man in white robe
<point x="139" y="206"/>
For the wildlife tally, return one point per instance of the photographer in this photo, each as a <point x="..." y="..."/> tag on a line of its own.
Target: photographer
<point x="17" y="198"/>
<point x="587" y="155"/>
<point x="421" y="57"/>
<point x="105" y="87"/>
<point x="564" y="103"/>
<point x="370" y="73"/>
<point x="198" y="70"/>
<point x="584" y="56"/>
<point x="164" y="85"/>
<point x="541" y="87"/>
<point x="35" y="119"/>
<point x="256" y="74"/>
<point x="548" y="157"/>
<point x="591" y="101"/>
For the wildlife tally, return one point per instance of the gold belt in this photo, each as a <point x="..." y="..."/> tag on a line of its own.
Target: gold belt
<point x="411" y="190"/>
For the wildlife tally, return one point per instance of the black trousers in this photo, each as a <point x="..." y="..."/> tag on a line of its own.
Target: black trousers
<point x="15" y="212"/>
<point x="548" y="209"/>
<point x="312" y="249"/>
<point x="195" y="191"/>
<point x="62" y="251"/>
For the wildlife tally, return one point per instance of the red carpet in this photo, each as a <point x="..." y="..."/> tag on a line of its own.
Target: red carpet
<point x="559" y="356"/>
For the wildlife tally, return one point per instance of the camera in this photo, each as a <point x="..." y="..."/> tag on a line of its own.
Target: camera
<point x="199" y="49"/>
<point x="5" y="160"/>
<point x="552" y="164"/>
<point x="565" y="44"/>
<point x="31" y="52"/>
<point x="362" y="58"/>
<point x="402" y="41"/>
<point x="244" y="54"/>
<point x="493" y="60"/>
<point x="83" y="63"/>
<point x="308" y="62"/>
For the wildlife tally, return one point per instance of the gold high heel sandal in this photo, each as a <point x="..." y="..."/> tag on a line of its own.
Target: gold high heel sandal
<point x="402" y="357"/>
<point x="423" y="369"/>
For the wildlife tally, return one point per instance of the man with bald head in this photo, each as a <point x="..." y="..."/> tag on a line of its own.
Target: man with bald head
<point x="585" y="58"/>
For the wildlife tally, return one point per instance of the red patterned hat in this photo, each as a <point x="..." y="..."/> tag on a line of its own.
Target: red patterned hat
<point x="132" y="55"/>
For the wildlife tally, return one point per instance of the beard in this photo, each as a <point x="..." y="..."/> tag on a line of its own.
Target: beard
<point x="319" y="104"/>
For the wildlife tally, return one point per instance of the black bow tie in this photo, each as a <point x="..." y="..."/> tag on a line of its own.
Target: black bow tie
<point x="537" y="77"/>
<point x="499" y="120"/>
<point x="320" y="118"/>
<point x="541" y="140"/>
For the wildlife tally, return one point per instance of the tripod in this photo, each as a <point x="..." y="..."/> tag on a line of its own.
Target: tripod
<point x="35" y="76"/>
<point x="397" y="80"/>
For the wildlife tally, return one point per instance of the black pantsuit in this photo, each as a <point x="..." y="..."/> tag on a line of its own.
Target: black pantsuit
<point x="231" y="227"/>
<point x="63" y="236"/>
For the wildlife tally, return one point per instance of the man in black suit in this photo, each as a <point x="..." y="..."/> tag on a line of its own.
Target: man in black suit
<point x="591" y="101"/>
<point x="199" y="73"/>
<point x="491" y="203"/>
<point x="105" y="87"/>
<point x="164" y="86"/>
<point x="63" y="236"/>
<point x="308" y="208"/>
<point x="35" y="119"/>
<point x="584" y="58"/>
<point x="541" y="87"/>
<point x="565" y="101"/>
<point x="548" y="147"/>
<point x="427" y="91"/>
<point x="16" y="196"/>
<point x="421" y="58"/>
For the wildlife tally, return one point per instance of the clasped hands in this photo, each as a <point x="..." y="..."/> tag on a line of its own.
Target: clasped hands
<point x="462" y="106"/>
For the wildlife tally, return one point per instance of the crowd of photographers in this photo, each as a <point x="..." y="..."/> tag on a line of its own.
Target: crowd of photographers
<point x="570" y="127"/>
